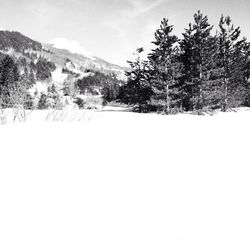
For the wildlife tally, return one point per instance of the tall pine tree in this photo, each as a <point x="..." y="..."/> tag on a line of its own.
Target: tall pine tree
<point x="197" y="57"/>
<point x="229" y="61"/>
<point x="164" y="68"/>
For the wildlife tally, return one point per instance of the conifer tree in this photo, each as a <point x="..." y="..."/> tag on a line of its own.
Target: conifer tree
<point x="197" y="56"/>
<point x="8" y="79"/>
<point x="237" y="84"/>
<point x="164" y="67"/>
<point x="19" y="92"/>
<point x="138" y="91"/>
<point x="42" y="103"/>
<point x="187" y="45"/>
<point x="246" y="72"/>
<point x="229" y="48"/>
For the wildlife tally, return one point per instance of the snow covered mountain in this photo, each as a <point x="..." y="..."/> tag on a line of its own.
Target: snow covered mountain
<point x="72" y="46"/>
<point x="71" y="55"/>
<point x="62" y="65"/>
<point x="62" y="52"/>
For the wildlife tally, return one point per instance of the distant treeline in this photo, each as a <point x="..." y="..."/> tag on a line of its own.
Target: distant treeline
<point x="204" y="70"/>
<point x="20" y="75"/>
<point x="18" y="42"/>
<point x="109" y="85"/>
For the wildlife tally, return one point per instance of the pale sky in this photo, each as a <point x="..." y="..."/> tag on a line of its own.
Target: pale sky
<point x="113" y="29"/>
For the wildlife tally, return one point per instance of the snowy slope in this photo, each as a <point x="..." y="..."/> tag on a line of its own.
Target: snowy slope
<point x="72" y="46"/>
<point x="58" y="77"/>
<point x="60" y="53"/>
<point x="126" y="181"/>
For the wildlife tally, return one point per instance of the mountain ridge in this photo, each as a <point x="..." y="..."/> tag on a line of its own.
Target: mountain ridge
<point x="16" y="43"/>
<point x="48" y="76"/>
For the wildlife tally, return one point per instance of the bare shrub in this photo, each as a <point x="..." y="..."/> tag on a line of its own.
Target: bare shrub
<point x="19" y="113"/>
<point x="68" y="115"/>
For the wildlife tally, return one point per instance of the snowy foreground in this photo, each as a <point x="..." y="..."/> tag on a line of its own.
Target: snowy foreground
<point x="126" y="181"/>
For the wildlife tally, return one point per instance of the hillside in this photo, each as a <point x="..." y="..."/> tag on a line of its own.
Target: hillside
<point x="27" y="52"/>
<point x="38" y="67"/>
<point x="80" y="62"/>
<point x="18" y="42"/>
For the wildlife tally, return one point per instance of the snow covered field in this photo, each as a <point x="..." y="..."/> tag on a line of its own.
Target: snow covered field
<point x="126" y="181"/>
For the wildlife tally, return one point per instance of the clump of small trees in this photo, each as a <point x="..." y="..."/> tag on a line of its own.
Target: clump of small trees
<point x="107" y="85"/>
<point x="14" y="89"/>
<point x="50" y="100"/>
<point x="201" y="71"/>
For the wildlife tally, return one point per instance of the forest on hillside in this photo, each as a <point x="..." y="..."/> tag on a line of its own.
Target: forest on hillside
<point x="18" y="77"/>
<point x="17" y="41"/>
<point x="208" y="68"/>
<point x="23" y="67"/>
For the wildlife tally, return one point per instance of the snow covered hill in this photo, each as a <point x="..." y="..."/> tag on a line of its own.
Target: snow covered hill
<point x="63" y="51"/>
<point x="126" y="181"/>
<point x="72" y="46"/>
<point x="60" y="52"/>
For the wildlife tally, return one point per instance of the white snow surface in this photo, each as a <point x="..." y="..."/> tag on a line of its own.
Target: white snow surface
<point x="58" y="77"/>
<point x="39" y="87"/>
<point x="72" y="46"/>
<point x="126" y="181"/>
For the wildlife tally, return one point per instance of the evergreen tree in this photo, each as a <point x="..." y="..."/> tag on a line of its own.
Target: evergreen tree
<point x="42" y="103"/>
<point x="18" y="93"/>
<point x="187" y="47"/>
<point x="246" y="71"/>
<point x="197" y="57"/>
<point x="8" y="79"/>
<point x="138" y="90"/>
<point x="53" y="97"/>
<point x="164" y="68"/>
<point x="44" y="68"/>
<point x="228" y="57"/>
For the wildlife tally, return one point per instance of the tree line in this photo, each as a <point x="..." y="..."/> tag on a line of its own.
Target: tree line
<point x="108" y="84"/>
<point x="204" y="70"/>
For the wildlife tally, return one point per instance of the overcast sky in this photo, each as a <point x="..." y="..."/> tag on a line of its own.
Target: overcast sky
<point x="113" y="29"/>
